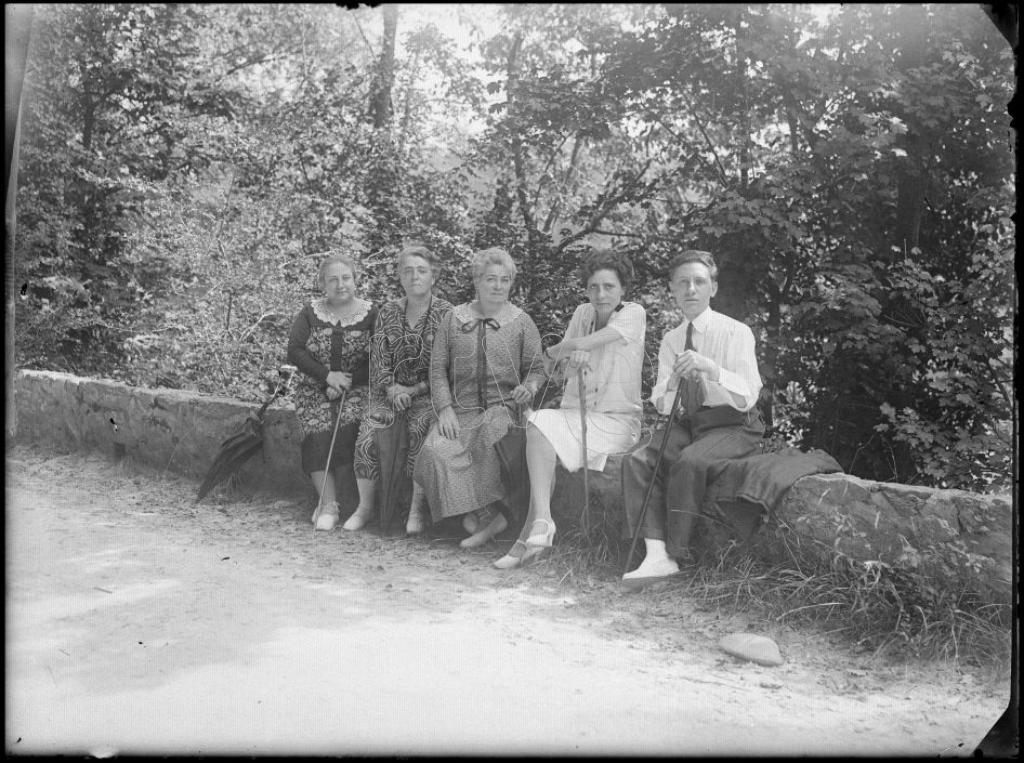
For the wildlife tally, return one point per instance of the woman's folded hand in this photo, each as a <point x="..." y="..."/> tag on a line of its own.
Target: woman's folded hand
<point x="522" y="395"/>
<point x="448" y="423"/>
<point x="339" y="380"/>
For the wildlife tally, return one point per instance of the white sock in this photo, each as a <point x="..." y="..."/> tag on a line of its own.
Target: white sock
<point x="655" y="550"/>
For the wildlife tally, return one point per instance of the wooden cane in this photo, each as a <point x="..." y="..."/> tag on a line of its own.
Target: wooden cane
<point x="583" y="436"/>
<point x="330" y="450"/>
<point x="654" y="475"/>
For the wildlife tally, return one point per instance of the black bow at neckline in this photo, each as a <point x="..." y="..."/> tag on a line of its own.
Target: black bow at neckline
<point x="468" y="327"/>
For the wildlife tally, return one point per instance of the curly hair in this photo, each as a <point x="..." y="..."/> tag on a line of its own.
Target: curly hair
<point x="493" y="256"/>
<point x="607" y="259"/>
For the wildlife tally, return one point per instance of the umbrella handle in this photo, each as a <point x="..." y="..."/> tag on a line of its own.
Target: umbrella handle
<point x="288" y="372"/>
<point x="654" y="474"/>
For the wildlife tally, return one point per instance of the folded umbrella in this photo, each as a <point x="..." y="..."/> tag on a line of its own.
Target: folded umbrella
<point x="243" y="444"/>
<point x="393" y="449"/>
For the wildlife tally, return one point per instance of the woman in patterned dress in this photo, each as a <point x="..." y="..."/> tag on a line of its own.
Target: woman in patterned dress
<point x="400" y="378"/>
<point x="605" y="337"/>
<point x="485" y="362"/>
<point x="330" y="344"/>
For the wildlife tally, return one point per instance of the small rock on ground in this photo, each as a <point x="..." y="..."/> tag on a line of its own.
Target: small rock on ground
<point x="750" y="646"/>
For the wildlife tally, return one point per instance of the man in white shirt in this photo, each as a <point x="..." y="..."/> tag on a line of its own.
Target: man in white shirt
<point x="713" y="356"/>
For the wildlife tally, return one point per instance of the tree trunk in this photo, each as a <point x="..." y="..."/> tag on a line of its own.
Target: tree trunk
<point x="19" y="28"/>
<point x="403" y="127"/>
<point x="567" y="181"/>
<point x="519" y="160"/>
<point x="381" y="111"/>
<point x="912" y="35"/>
<point x="741" y="93"/>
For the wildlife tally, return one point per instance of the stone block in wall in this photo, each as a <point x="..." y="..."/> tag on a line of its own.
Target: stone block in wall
<point x="605" y="505"/>
<point x="932" y="533"/>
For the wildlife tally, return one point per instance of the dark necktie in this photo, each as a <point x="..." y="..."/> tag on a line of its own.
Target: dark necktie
<point x="691" y="391"/>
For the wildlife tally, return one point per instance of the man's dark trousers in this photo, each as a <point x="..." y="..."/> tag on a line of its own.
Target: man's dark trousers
<point x="695" y="454"/>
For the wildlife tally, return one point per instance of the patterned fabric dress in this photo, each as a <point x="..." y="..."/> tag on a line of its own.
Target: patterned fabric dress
<point x="399" y="354"/>
<point x="319" y="343"/>
<point x="475" y="364"/>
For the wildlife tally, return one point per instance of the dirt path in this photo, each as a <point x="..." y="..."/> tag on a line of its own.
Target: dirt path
<point x="139" y="622"/>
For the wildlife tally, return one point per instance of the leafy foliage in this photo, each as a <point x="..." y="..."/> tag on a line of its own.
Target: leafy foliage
<point x="185" y="166"/>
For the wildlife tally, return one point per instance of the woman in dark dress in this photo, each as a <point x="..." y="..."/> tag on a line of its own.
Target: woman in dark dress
<point x="400" y="382"/>
<point x="330" y="344"/>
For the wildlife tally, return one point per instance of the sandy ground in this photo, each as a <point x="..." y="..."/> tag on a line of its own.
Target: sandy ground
<point x="141" y="622"/>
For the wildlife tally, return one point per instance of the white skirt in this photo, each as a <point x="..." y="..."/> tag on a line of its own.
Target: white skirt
<point x="607" y="434"/>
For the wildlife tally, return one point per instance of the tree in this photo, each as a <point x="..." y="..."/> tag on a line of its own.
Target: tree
<point x="19" y="25"/>
<point x="186" y="166"/>
<point x="381" y="110"/>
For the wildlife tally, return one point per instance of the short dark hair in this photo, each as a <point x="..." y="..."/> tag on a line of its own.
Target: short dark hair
<point x="693" y="255"/>
<point x="607" y="259"/>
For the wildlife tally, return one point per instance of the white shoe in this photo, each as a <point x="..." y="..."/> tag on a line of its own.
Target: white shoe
<point x="326" y="516"/>
<point x="357" y="521"/>
<point x="651" y="571"/>
<point x="416" y="523"/>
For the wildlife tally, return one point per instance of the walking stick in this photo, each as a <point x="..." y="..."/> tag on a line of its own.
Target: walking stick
<point x="330" y="451"/>
<point x="654" y="475"/>
<point x="583" y="436"/>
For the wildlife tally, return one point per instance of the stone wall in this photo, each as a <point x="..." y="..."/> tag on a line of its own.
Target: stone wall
<point x="962" y="541"/>
<point x="949" y="539"/>
<point x="167" y="429"/>
<point x="945" y="540"/>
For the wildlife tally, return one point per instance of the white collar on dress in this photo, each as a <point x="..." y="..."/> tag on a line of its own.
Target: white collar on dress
<point x="466" y="314"/>
<point x="354" y="314"/>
